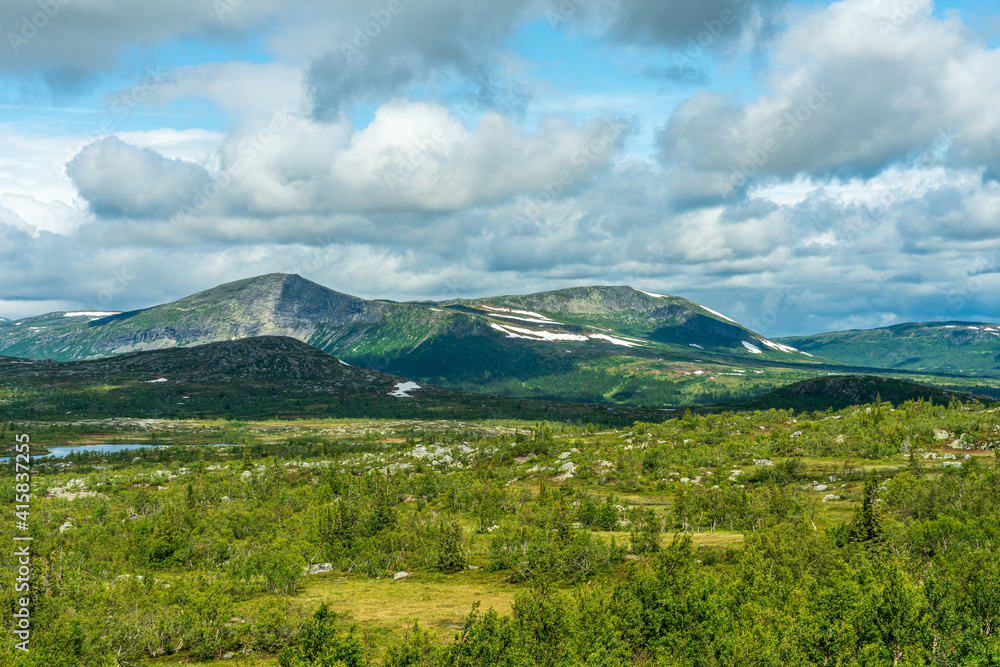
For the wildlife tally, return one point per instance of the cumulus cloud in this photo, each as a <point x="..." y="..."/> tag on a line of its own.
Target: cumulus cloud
<point x="120" y="180"/>
<point x="688" y="27"/>
<point x="246" y="88"/>
<point x="924" y="78"/>
<point x="874" y="199"/>
<point x="413" y="156"/>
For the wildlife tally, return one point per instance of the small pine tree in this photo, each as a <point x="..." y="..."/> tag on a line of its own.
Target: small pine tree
<point x="451" y="552"/>
<point x="866" y="526"/>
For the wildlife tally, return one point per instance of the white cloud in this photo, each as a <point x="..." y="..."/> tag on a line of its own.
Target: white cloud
<point x="922" y="76"/>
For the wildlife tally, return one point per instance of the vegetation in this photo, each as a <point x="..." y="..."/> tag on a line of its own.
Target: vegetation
<point x="967" y="348"/>
<point x="864" y="536"/>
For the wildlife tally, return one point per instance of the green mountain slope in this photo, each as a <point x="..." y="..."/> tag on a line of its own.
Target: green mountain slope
<point x="597" y="344"/>
<point x="843" y="391"/>
<point x="954" y="347"/>
<point x="261" y="377"/>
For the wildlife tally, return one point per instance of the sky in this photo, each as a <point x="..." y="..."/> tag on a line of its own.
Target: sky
<point x="798" y="166"/>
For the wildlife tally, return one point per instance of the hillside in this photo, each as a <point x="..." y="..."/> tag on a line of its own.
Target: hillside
<point x="260" y="377"/>
<point x="955" y="347"/>
<point x="842" y="391"/>
<point x="591" y="344"/>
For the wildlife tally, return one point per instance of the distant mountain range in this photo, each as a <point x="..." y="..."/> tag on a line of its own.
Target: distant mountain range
<point x="600" y="344"/>
<point x="614" y="344"/>
<point x="954" y="347"/>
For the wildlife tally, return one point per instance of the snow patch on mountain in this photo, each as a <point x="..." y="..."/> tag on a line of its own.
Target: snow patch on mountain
<point x="752" y="348"/>
<point x="529" y="313"/>
<point x="518" y="332"/>
<point x="782" y="348"/>
<point x="526" y="319"/>
<point x="91" y="313"/>
<point x="402" y="388"/>
<point x="531" y="334"/>
<point x="614" y="341"/>
<point x="714" y="312"/>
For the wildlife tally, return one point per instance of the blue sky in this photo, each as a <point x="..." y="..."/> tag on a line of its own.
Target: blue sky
<point x="800" y="166"/>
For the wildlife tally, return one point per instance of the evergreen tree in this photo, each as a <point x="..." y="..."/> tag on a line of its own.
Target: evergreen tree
<point x="866" y="526"/>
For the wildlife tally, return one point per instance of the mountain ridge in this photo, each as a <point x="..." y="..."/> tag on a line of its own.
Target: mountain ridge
<point x="596" y="344"/>
<point x="954" y="346"/>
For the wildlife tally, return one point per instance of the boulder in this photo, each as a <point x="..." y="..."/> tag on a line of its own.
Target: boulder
<point x="820" y="487"/>
<point x="320" y="568"/>
<point x="941" y="434"/>
<point x="765" y="463"/>
<point x="400" y="575"/>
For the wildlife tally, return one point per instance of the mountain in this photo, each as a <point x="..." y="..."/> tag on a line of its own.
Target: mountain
<point x="955" y="347"/>
<point x="258" y="377"/>
<point x="596" y="344"/>
<point x="843" y="391"/>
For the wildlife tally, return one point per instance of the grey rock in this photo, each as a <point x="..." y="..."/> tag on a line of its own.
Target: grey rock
<point x="320" y="568"/>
